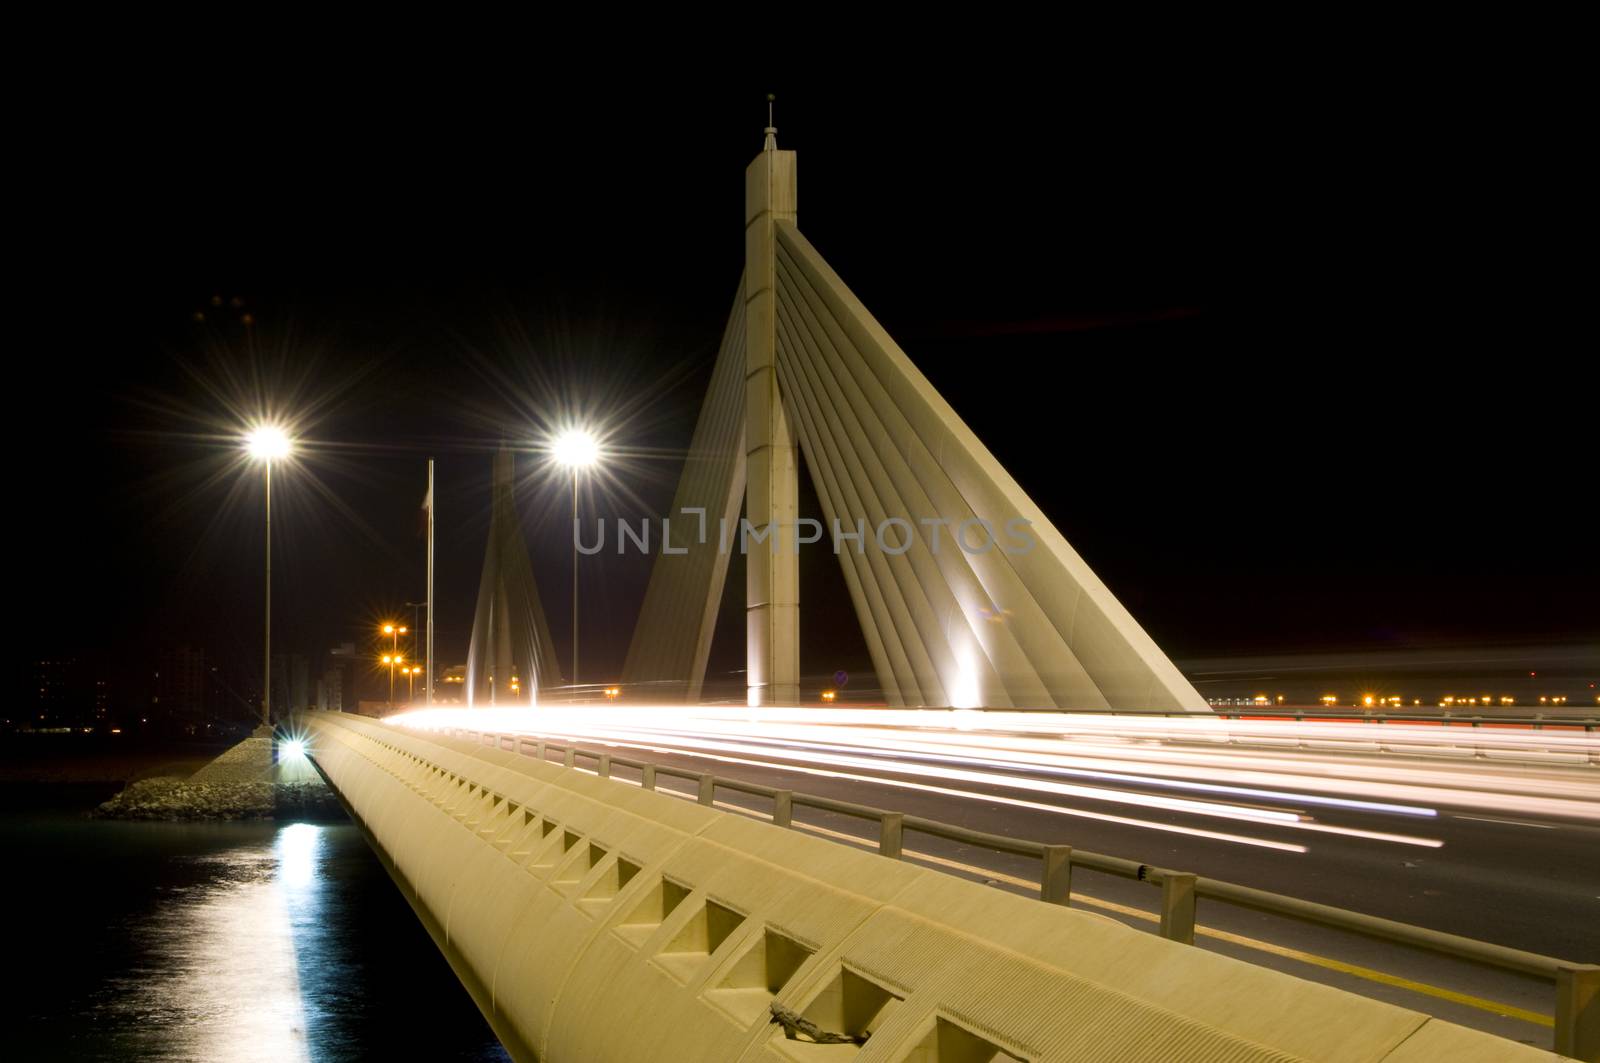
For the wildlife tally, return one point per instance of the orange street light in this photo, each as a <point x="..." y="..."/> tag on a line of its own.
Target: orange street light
<point x="393" y="660"/>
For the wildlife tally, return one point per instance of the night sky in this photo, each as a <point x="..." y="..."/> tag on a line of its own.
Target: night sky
<point x="1269" y="373"/>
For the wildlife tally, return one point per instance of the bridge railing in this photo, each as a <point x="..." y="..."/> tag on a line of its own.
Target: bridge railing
<point x="1576" y="985"/>
<point x="1556" y="717"/>
<point x="1537" y="722"/>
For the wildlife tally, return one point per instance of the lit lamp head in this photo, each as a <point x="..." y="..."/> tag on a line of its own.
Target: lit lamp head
<point x="267" y="443"/>
<point x="576" y="449"/>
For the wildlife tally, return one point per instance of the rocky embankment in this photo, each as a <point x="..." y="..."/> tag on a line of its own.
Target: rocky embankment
<point x="242" y="783"/>
<point x="180" y="799"/>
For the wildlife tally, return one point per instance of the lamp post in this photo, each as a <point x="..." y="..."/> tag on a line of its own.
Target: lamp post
<point x="419" y="649"/>
<point x="267" y="444"/>
<point x="577" y="450"/>
<point x="393" y="661"/>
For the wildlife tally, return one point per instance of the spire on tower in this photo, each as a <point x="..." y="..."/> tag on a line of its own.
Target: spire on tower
<point x="772" y="130"/>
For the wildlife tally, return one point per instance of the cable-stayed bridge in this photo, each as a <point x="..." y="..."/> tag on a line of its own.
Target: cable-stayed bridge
<point x="594" y="916"/>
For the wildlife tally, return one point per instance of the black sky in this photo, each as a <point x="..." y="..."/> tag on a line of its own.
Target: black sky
<point x="1286" y="381"/>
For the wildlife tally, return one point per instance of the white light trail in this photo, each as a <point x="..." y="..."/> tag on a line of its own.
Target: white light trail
<point x="1232" y="768"/>
<point x="1015" y="802"/>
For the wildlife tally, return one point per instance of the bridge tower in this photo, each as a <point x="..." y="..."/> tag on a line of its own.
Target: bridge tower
<point x="967" y="595"/>
<point x="772" y="573"/>
<point x="511" y="654"/>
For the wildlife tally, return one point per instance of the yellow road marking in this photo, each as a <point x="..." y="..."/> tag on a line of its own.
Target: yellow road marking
<point x="1507" y="1010"/>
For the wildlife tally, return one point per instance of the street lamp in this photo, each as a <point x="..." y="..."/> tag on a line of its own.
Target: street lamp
<point x="393" y="660"/>
<point x="394" y="631"/>
<point x="577" y="450"/>
<point x="418" y="651"/>
<point x="267" y="444"/>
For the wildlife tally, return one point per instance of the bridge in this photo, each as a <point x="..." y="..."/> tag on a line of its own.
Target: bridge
<point x="843" y="884"/>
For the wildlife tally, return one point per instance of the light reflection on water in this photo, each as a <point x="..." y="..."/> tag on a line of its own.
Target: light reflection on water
<point x="229" y="984"/>
<point x="220" y="942"/>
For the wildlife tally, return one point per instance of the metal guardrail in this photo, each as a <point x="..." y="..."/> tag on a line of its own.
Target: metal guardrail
<point x="1559" y="717"/>
<point x="1536" y="722"/>
<point x="1577" y="985"/>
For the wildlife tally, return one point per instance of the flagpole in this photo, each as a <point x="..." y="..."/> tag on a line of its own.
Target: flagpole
<point x="429" y="688"/>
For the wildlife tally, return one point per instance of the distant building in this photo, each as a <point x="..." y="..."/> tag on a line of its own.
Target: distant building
<point x="70" y="690"/>
<point x="291" y="684"/>
<point x="233" y="695"/>
<point x="451" y="686"/>
<point x="336" y="685"/>
<point x="178" y="689"/>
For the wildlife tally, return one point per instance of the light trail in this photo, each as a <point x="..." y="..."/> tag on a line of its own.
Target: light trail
<point x="1041" y="767"/>
<point x="1014" y="802"/>
<point x="1199" y="755"/>
<point x="1265" y="817"/>
<point x="1131" y="762"/>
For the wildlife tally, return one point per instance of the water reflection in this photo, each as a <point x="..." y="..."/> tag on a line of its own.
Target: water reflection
<point x="219" y="942"/>
<point x="228" y="984"/>
<point x="297" y="846"/>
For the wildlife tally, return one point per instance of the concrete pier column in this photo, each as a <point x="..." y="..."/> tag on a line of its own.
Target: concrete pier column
<point x="772" y="581"/>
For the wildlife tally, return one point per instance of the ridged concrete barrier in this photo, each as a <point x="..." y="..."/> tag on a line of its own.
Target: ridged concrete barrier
<point x="592" y="920"/>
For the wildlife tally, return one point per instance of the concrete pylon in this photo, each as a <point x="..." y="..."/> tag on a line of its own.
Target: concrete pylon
<point x="772" y="568"/>
<point x="968" y="596"/>
<point x="511" y="655"/>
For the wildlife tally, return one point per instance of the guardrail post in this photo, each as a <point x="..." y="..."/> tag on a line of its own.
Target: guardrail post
<point x="1177" y="907"/>
<point x="708" y="786"/>
<point x="1055" y="877"/>
<point x="538" y="749"/>
<point x="647" y="777"/>
<point x="1578" y="1010"/>
<point x="570" y="760"/>
<point x="891" y="829"/>
<point x="783" y="808"/>
<point x="605" y="766"/>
